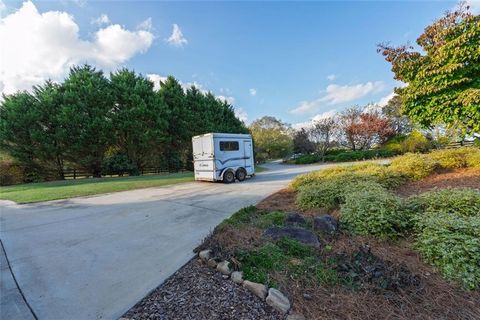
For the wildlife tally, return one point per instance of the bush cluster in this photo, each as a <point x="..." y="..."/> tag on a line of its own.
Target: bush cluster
<point x="447" y="227"/>
<point x="374" y="212"/>
<point x="445" y="223"/>
<point x="415" y="166"/>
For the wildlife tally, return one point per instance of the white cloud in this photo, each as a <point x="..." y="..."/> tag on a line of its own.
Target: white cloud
<point x="51" y="45"/>
<point x="146" y="25"/>
<point x="253" y="92"/>
<point x="335" y="94"/>
<point x="383" y="101"/>
<point x="332" y="77"/>
<point x="156" y="79"/>
<point x="241" y="114"/>
<point x="227" y="99"/>
<point x="102" y="20"/>
<point x="474" y="6"/>
<point x="311" y="122"/>
<point x="176" y="38"/>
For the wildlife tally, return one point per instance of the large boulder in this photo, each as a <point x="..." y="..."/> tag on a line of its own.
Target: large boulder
<point x="325" y="223"/>
<point x="295" y="219"/>
<point x="296" y="233"/>
<point x="278" y="301"/>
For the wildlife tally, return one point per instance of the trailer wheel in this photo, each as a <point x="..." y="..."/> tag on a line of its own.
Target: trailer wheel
<point x="229" y="177"/>
<point x="241" y="174"/>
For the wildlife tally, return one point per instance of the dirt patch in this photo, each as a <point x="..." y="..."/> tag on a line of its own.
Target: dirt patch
<point x="459" y="178"/>
<point x="224" y="243"/>
<point x="197" y="292"/>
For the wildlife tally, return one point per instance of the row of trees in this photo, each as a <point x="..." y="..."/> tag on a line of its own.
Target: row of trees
<point x="356" y="128"/>
<point x="94" y="122"/>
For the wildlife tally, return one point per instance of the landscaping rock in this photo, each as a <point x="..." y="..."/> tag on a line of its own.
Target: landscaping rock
<point x="205" y="255"/>
<point x="294" y="218"/>
<point x="295" y="316"/>
<point x="212" y="263"/>
<point x="224" y="268"/>
<point x="325" y="224"/>
<point x="300" y="234"/>
<point x="278" y="301"/>
<point x="257" y="289"/>
<point x="237" y="277"/>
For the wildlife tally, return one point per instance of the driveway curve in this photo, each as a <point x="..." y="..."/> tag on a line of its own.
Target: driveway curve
<point x="95" y="257"/>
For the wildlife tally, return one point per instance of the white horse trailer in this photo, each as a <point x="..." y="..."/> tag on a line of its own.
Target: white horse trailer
<point x="223" y="157"/>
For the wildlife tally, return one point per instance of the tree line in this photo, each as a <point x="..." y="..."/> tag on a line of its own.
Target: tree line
<point x="105" y="124"/>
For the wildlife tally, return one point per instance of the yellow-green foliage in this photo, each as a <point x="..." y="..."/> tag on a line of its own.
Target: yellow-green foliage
<point x="416" y="142"/>
<point x="316" y="176"/>
<point x="473" y="158"/>
<point x="451" y="158"/>
<point x="414" y="166"/>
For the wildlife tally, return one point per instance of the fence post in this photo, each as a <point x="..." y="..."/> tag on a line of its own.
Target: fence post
<point x="74" y="174"/>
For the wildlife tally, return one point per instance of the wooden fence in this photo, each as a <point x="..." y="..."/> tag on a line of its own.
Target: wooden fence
<point x="83" y="174"/>
<point x="459" y="144"/>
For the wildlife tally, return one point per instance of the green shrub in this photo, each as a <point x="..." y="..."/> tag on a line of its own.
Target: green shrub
<point x="416" y="142"/>
<point x="451" y="158"/>
<point x="382" y="174"/>
<point x="447" y="224"/>
<point x="452" y="244"/>
<point x="414" y="166"/>
<point x="461" y="202"/>
<point x="362" y="155"/>
<point x="330" y="193"/>
<point x="119" y="164"/>
<point x="394" y="144"/>
<point x="307" y="159"/>
<point x="374" y="212"/>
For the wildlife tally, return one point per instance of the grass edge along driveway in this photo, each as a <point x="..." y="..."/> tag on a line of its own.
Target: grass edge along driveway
<point x="55" y="190"/>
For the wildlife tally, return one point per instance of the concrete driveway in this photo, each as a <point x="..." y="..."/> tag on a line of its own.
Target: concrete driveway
<point x="95" y="257"/>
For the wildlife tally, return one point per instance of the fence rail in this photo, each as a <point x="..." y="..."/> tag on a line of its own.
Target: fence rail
<point x="83" y="174"/>
<point x="459" y="144"/>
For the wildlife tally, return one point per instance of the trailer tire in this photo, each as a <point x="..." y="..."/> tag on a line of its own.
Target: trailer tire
<point x="228" y="176"/>
<point x="241" y="174"/>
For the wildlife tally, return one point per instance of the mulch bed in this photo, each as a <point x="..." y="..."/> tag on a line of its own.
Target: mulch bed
<point x="197" y="292"/>
<point x="388" y="279"/>
<point x="460" y="178"/>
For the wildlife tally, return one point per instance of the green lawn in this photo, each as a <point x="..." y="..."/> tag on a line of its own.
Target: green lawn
<point x="259" y="169"/>
<point x="44" y="191"/>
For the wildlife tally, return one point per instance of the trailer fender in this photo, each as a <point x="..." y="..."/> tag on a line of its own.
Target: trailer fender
<point x="225" y="170"/>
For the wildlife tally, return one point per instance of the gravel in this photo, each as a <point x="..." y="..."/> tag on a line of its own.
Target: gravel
<point x="198" y="292"/>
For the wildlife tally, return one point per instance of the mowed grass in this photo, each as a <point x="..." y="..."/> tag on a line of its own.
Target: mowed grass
<point x="259" y="169"/>
<point x="45" y="191"/>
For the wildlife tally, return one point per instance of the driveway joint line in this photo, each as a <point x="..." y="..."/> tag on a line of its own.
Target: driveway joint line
<point x="16" y="282"/>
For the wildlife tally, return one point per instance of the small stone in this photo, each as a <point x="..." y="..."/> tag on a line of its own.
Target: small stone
<point x="224" y="268"/>
<point x="237" y="277"/>
<point x="300" y="234"/>
<point x="225" y="277"/>
<point x="212" y="263"/>
<point x="294" y="218"/>
<point x="257" y="289"/>
<point x="325" y="223"/>
<point x="295" y="316"/>
<point x="306" y="296"/>
<point x="278" y="301"/>
<point x="205" y="254"/>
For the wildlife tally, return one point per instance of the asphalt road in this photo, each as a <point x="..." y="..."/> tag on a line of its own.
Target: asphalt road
<point x="95" y="257"/>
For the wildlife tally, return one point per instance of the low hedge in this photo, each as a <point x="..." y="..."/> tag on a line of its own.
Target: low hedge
<point x="413" y="165"/>
<point x="374" y="212"/>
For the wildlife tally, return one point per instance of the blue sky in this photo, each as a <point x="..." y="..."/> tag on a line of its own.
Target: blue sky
<point x="269" y="58"/>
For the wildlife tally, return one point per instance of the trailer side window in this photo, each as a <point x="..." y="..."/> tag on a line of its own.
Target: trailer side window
<point x="229" y="146"/>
